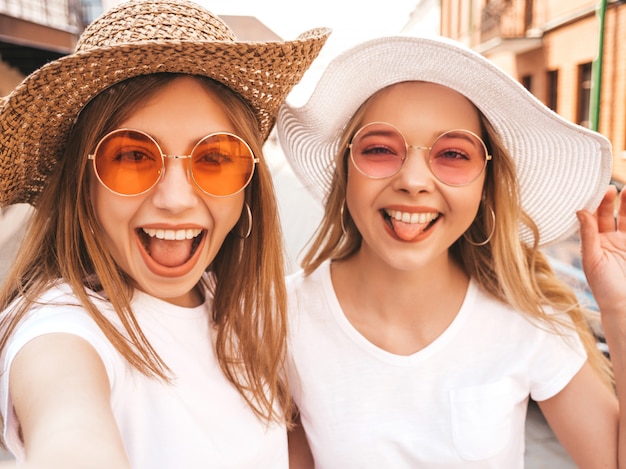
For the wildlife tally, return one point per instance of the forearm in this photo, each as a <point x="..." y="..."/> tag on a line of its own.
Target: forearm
<point x="615" y="330"/>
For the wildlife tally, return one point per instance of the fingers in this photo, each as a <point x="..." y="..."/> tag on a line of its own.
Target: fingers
<point x="589" y="236"/>
<point x="606" y="211"/>
<point x="621" y="212"/>
<point x="604" y="221"/>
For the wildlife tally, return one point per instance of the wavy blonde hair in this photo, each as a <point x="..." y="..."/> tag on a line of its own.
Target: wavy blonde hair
<point x="64" y="242"/>
<point x="511" y="271"/>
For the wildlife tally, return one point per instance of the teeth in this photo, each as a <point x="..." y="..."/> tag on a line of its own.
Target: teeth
<point x="408" y="217"/>
<point x="177" y="235"/>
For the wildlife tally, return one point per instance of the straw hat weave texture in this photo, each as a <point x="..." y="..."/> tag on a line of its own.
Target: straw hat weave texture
<point x="137" y="38"/>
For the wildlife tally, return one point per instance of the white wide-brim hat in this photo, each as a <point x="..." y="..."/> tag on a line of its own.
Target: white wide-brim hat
<point x="561" y="167"/>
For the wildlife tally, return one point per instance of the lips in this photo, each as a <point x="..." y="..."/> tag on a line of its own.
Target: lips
<point x="407" y="226"/>
<point x="170" y="252"/>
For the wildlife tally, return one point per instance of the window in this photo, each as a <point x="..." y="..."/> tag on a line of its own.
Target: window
<point x="584" y="94"/>
<point x="553" y="89"/>
<point x="527" y="82"/>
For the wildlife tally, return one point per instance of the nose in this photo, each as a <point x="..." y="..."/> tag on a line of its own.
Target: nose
<point x="415" y="174"/>
<point x="175" y="191"/>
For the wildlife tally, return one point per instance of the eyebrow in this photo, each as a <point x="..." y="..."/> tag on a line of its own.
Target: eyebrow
<point x="382" y="132"/>
<point x="453" y="133"/>
<point x="460" y="133"/>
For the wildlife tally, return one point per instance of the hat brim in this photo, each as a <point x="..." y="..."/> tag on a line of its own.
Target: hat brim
<point x="40" y="112"/>
<point x="561" y="167"/>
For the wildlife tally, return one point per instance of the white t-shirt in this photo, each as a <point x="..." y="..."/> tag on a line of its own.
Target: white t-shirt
<point x="198" y="421"/>
<point x="458" y="403"/>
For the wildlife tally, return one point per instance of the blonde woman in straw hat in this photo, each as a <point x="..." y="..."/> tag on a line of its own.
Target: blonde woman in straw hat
<point x="425" y="316"/>
<point x="143" y="322"/>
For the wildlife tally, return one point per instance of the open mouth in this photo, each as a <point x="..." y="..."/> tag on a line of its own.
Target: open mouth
<point x="409" y="225"/>
<point x="170" y="248"/>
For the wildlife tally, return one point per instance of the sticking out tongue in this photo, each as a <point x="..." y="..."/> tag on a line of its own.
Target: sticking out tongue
<point x="169" y="253"/>
<point x="407" y="231"/>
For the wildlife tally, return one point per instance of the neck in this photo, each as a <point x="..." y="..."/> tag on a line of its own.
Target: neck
<point x="401" y="311"/>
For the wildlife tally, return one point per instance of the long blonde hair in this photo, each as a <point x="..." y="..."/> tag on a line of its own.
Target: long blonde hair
<point x="511" y="271"/>
<point x="64" y="242"/>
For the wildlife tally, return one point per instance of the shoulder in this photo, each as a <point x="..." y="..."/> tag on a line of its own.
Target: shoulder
<point x="56" y="311"/>
<point x="312" y="291"/>
<point x="299" y="280"/>
<point x="505" y="317"/>
<point x="551" y="344"/>
<point x="57" y="304"/>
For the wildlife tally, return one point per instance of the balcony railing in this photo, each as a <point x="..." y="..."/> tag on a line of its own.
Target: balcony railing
<point x="66" y="15"/>
<point x="505" y="19"/>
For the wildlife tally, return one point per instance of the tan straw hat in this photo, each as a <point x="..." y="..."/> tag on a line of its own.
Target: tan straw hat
<point x="561" y="167"/>
<point x="138" y="38"/>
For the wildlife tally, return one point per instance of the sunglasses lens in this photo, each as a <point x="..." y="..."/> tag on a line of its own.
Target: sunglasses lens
<point x="128" y="162"/>
<point x="378" y="150"/>
<point x="222" y="164"/>
<point x="457" y="157"/>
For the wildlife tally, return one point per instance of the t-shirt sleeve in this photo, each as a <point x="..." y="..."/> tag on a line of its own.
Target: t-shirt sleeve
<point x="41" y="320"/>
<point x="558" y="357"/>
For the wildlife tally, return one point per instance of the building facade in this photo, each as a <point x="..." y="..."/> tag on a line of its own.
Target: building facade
<point x="552" y="47"/>
<point x="34" y="32"/>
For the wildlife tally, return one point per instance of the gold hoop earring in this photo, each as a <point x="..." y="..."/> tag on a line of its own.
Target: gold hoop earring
<point x="249" y="230"/>
<point x="493" y="229"/>
<point x="341" y="216"/>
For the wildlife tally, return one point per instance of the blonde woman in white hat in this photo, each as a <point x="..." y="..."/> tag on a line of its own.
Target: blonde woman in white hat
<point x="425" y="317"/>
<point x="143" y="323"/>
